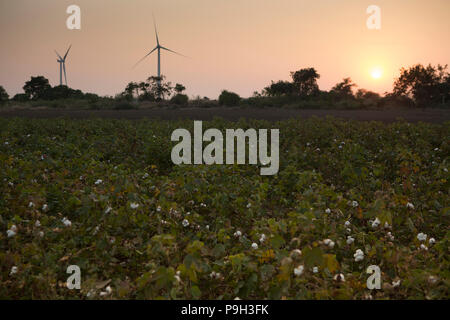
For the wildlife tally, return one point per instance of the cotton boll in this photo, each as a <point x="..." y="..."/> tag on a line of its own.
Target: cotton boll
<point x="13" y="271"/>
<point x="376" y="223"/>
<point x="254" y="246"/>
<point x="299" y="270"/>
<point x="350" y="240"/>
<point x="409" y="205"/>
<point x="422" y="237"/>
<point x="134" y="205"/>
<point x="66" y="222"/>
<point x="359" y="255"/>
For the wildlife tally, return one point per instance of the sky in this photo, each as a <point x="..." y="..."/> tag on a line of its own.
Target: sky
<point x="238" y="45"/>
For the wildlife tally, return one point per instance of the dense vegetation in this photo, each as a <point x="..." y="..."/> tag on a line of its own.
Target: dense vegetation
<point x="418" y="86"/>
<point x="103" y="195"/>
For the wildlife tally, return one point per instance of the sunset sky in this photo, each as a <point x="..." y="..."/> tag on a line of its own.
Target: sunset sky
<point x="239" y="45"/>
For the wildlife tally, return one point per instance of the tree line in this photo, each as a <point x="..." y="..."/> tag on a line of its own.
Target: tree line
<point x="417" y="86"/>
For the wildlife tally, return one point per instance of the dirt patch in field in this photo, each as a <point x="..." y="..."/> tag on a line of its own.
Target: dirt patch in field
<point x="271" y="114"/>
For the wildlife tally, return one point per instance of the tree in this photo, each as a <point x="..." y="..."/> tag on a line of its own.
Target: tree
<point x="305" y="81"/>
<point x="21" y="97"/>
<point x="179" y="88"/>
<point x="130" y="90"/>
<point x="425" y="85"/>
<point x="36" y="87"/>
<point x="159" y="88"/>
<point x="229" y="98"/>
<point x="344" y="89"/>
<point x="280" y="88"/>
<point x="3" y="95"/>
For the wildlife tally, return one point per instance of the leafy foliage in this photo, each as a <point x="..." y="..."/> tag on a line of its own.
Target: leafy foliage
<point x="181" y="242"/>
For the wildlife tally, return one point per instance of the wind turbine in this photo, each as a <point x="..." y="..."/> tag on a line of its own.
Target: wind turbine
<point x="158" y="47"/>
<point x="62" y="66"/>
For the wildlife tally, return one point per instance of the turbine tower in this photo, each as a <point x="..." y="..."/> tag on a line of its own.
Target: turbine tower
<point x="62" y="66"/>
<point x="158" y="47"/>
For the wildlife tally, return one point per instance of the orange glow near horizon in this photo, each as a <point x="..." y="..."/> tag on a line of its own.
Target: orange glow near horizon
<point x="236" y="45"/>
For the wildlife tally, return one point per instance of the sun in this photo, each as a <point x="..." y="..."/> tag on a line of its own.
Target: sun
<point x="376" y="73"/>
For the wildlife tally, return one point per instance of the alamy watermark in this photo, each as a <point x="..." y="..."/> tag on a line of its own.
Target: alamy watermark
<point x="213" y="152"/>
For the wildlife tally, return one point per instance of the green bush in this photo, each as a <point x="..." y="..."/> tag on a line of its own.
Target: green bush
<point x="228" y="98"/>
<point x="180" y="99"/>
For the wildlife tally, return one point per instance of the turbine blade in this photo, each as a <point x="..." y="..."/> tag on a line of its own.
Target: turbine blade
<point x="156" y="31"/>
<point x="174" y="52"/>
<point x="67" y="52"/>
<point x="144" y="57"/>
<point x="58" y="54"/>
<point x="65" y="75"/>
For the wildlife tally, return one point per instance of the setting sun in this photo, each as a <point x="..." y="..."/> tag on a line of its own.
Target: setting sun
<point x="376" y="73"/>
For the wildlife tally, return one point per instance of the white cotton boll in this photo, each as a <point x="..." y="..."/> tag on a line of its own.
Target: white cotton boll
<point x="41" y="234"/>
<point x="37" y="224"/>
<point x="13" y="271"/>
<point x="134" y="205"/>
<point x="422" y="237"/>
<point x="359" y="255"/>
<point x="31" y="205"/>
<point x="376" y="223"/>
<point x="10" y="233"/>
<point x="299" y="270"/>
<point x="409" y="205"/>
<point x="262" y="238"/>
<point x="432" y="241"/>
<point x="108" y="290"/>
<point x="185" y="223"/>
<point x="396" y="284"/>
<point x="99" y="181"/>
<point x="327" y="210"/>
<point x="328" y="242"/>
<point x="347" y="223"/>
<point x="350" y="240"/>
<point x="355" y="204"/>
<point x="158" y="209"/>
<point x="390" y="236"/>
<point x="13" y="228"/>
<point x="66" y="222"/>
<point x="254" y="246"/>
<point x="249" y="205"/>
<point x="45" y="208"/>
<point x="237" y="234"/>
<point x="423" y="247"/>
<point x="145" y="176"/>
<point x="315" y="270"/>
<point x="108" y="210"/>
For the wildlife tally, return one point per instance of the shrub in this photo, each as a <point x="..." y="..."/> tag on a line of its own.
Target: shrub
<point x="228" y="98"/>
<point x="180" y="99"/>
